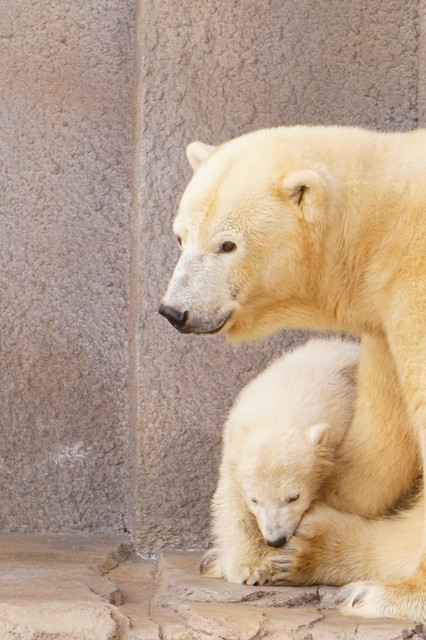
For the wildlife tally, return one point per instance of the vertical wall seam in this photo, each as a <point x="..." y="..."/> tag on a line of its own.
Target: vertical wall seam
<point x="134" y="284"/>
<point x="416" y="29"/>
<point x="421" y="64"/>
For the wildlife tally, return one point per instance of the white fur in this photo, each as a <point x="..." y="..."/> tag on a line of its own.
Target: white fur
<point x="278" y="447"/>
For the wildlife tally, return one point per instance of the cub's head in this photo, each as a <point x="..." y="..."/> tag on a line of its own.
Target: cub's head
<point x="248" y="227"/>
<point x="278" y="478"/>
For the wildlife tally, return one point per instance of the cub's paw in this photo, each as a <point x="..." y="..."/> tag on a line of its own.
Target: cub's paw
<point x="375" y="600"/>
<point x="237" y="572"/>
<point x="243" y="572"/>
<point x="248" y="575"/>
<point x="209" y="565"/>
<point x="261" y="574"/>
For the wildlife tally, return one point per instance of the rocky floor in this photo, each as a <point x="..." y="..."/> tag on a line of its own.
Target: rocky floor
<point x="94" y="588"/>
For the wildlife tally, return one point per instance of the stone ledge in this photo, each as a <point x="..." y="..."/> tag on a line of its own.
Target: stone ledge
<point x="92" y="587"/>
<point x="203" y="608"/>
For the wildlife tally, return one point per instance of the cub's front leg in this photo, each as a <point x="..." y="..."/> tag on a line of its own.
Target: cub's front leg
<point x="239" y="554"/>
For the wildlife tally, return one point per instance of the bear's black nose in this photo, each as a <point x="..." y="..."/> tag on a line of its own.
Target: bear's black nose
<point x="279" y="542"/>
<point x="174" y="316"/>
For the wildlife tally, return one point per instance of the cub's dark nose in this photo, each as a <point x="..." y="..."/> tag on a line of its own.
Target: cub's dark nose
<point x="279" y="542"/>
<point x="175" y="317"/>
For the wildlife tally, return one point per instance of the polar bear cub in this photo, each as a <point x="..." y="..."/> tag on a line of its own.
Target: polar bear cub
<point x="279" y="443"/>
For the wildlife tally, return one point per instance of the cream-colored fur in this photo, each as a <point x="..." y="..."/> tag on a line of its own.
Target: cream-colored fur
<point x="279" y="444"/>
<point x="331" y="547"/>
<point x="328" y="542"/>
<point x="323" y="228"/>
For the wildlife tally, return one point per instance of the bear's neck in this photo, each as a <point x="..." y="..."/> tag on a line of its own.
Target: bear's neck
<point x="358" y="260"/>
<point x="345" y="277"/>
<point x="341" y="289"/>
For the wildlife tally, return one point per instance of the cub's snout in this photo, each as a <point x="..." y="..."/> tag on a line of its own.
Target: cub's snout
<point x="277" y="543"/>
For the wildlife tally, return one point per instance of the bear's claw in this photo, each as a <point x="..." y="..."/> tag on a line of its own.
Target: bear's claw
<point x="209" y="564"/>
<point x="347" y="594"/>
<point x="364" y="599"/>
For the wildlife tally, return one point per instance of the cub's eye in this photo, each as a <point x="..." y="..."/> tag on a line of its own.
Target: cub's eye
<point x="228" y="246"/>
<point x="253" y="500"/>
<point x="179" y="239"/>
<point x="293" y="498"/>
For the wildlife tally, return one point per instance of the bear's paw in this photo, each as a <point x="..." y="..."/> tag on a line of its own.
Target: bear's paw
<point x="375" y="600"/>
<point x="251" y="574"/>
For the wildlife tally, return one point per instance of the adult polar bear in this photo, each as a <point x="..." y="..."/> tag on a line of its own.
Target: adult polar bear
<point x="323" y="228"/>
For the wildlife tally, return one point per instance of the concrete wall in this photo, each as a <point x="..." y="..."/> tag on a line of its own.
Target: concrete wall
<point x="66" y="136"/>
<point x="110" y="419"/>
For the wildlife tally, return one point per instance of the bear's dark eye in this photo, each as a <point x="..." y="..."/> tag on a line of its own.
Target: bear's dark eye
<point x="179" y="239"/>
<point x="228" y="246"/>
<point x="293" y="498"/>
<point x="253" y="500"/>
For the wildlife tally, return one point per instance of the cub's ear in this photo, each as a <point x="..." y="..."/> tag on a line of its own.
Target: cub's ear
<point x="197" y="152"/>
<point x="308" y="191"/>
<point x="319" y="433"/>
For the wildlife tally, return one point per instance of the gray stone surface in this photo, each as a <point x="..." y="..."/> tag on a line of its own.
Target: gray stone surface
<point x="186" y="605"/>
<point x="66" y="130"/>
<point x="210" y="71"/>
<point x="59" y="588"/>
<point x="55" y="587"/>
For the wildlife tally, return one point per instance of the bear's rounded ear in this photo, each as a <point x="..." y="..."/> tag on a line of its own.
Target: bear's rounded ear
<point x="319" y="433"/>
<point x="197" y="152"/>
<point x="308" y="191"/>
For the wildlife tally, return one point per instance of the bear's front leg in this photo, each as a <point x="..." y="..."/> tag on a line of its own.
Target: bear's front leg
<point x="331" y="547"/>
<point x="362" y="481"/>
<point x="404" y="324"/>
<point x="324" y="549"/>
<point x="239" y="554"/>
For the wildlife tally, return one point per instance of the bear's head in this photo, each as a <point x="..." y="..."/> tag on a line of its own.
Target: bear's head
<point x="250" y="225"/>
<point x="278" y="478"/>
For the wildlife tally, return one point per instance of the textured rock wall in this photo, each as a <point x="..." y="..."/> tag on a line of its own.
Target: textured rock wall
<point x="66" y="130"/>
<point x="212" y="70"/>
